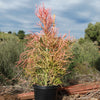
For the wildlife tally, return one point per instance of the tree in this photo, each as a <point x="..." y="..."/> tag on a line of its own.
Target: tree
<point x="93" y="32"/>
<point x="9" y="32"/>
<point x="21" y="34"/>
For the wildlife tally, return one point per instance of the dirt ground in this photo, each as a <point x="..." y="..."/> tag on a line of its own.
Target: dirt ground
<point x="71" y="97"/>
<point x="10" y="93"/>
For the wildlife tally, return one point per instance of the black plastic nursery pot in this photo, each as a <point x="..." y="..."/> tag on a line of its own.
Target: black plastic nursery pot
<point x="45" y="92"/>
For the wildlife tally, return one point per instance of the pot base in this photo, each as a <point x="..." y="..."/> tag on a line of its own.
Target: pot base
<point x="45" y="92"/>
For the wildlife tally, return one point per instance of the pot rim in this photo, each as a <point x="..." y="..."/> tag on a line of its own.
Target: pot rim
<point x="45" y="87"/>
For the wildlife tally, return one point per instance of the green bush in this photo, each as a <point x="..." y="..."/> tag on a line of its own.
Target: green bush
<point x="85" y="63"/>
<point x="92" y="32"/>
<point x="21" y="34"/>
<point x="85" y="53"/>
<point x="10" y="49"/>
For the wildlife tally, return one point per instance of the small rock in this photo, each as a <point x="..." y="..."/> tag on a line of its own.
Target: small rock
<point x="94" y="99"/>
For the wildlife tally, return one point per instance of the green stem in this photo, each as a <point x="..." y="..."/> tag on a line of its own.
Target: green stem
<point x="46" y="79"/>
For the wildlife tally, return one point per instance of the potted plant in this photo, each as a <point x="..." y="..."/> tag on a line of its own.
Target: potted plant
<point x="45" y="57"/>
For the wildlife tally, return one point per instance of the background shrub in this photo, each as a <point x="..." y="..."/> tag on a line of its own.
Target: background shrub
<point x="85" y="64"/>
<point x="10" y="49"/>
<point x="85" y="53"/>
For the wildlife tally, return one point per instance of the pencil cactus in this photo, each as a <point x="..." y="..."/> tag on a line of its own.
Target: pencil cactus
<point x="46" y="53"/>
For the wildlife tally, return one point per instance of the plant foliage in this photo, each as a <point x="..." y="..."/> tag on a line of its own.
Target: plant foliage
<point x="46" y="53"/>
<point x="10" y="49"/>
<point x="85" y="53"/>
<point x="93" y="32"/>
